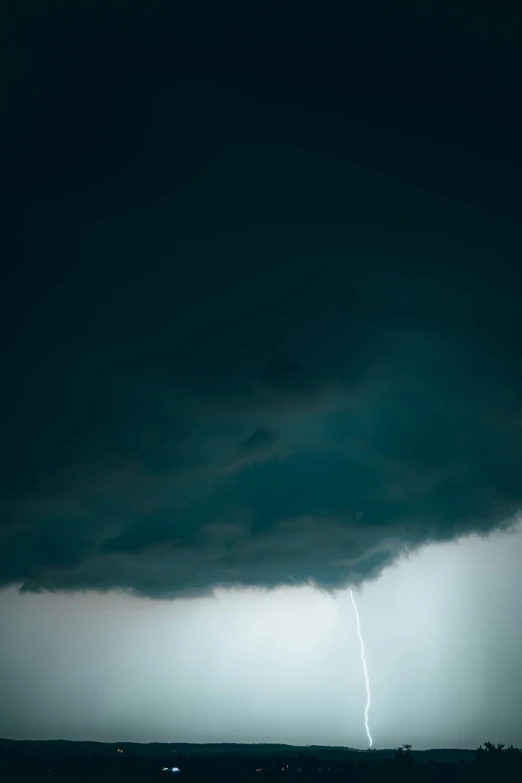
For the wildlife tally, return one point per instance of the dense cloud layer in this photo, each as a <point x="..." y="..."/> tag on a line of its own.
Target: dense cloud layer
<point x="259" y="332"/>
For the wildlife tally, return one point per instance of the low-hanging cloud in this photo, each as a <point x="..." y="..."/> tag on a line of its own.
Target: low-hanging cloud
<point x="173" y="491"/>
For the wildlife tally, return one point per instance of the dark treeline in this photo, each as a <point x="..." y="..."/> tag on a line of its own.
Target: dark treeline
<point x="488" y="762"/>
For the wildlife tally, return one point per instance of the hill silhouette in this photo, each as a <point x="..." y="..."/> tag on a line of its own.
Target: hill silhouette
<point x="66" y="761"/>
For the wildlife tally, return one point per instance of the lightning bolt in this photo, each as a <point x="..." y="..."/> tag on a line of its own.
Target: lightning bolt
<point x="365" y="670"/>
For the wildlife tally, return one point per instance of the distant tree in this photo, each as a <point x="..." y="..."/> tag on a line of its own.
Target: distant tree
<point x="403" y="752"/>
<point x="494" y="759"/>
<point x="404" y="756"/>
<point x="489" y="750"/>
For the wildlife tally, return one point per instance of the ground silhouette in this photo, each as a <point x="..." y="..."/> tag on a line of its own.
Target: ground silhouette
<point x="62" y="761"/>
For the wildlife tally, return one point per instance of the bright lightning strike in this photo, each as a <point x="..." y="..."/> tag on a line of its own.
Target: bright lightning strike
<point x="365" y="670"/>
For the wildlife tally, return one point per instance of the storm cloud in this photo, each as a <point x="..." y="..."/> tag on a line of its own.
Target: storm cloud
<point x="258" y="332"/>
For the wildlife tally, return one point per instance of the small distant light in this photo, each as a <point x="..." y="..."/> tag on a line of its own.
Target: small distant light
<point x="175" y="769"/>
<point x="164" y="769"/>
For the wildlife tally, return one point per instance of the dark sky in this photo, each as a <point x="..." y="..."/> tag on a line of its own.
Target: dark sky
<point x="260" y="296"/>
